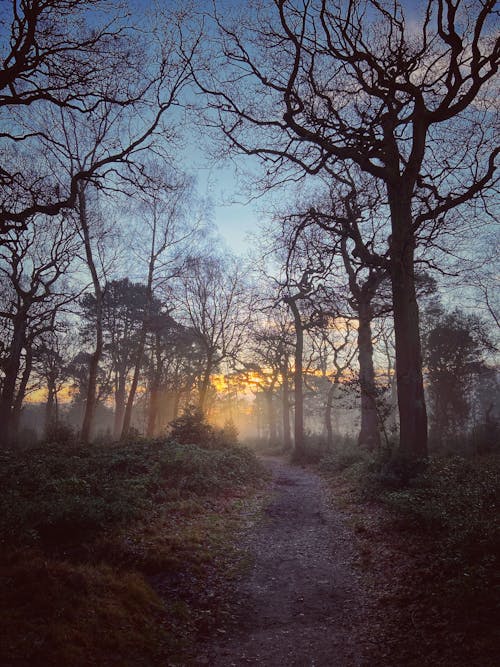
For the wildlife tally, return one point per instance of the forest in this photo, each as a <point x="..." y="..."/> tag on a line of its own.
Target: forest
<point x="273" y="440"/>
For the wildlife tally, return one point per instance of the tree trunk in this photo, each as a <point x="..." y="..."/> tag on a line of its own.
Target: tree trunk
<point x="328" y="417"/>
<point x="176" y="404"/>
<point x="287" y="436"/>
<point x="91" y="398"/>
<point x="152" y="411"/>
<point x="369" y="434"/>
<point x="154" y="394"/>
<point x="298" y="381"/>
<point x="21" y="392"/>
<point x="205" y="384"/>
<point x="411" y="401"/>
<point x="127" y="417"/>
<point x="119" y="406"/>
<point x="51" y="403"/>
<point x="271" y="421"/>
<point x="154" y="401"/>
<point x="11" y="370"/>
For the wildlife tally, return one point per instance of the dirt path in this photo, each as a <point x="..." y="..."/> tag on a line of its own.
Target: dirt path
<point x="298" y="604"/>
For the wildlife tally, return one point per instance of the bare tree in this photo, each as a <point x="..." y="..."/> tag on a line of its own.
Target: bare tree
<point x="353" y="227"/>
<point x="335" y="348"/>
<point x="79" y="59"/>
<point x="215" y="303"/>
<point x="31" y="267"/>
<point x="309" y="86"/>
<point x="270" y="349"/>
<point x="167" y="231"/>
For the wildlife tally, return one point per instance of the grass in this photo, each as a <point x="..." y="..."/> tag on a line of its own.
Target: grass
<point x="111" y="554"/>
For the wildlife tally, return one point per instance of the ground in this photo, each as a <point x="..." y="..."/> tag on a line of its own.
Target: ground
<point x="300" y="602"/>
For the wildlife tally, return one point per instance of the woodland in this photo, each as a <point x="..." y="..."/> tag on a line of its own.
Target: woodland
<point x="173" y="408"/>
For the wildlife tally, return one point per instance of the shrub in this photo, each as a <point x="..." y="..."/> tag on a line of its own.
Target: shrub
<point x="192" y="428"/>
<point x="59" y="433"/>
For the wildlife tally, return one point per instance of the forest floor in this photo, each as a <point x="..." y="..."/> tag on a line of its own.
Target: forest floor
<point x="334" y="581"/>
<point x="299" y="602"/>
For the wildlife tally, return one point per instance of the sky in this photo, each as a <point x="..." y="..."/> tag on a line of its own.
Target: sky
<point x="234" y="217"/>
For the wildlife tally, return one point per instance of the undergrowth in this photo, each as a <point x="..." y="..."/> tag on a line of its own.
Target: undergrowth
<point x="106" y="549"/>
<point x="448" y="509"/>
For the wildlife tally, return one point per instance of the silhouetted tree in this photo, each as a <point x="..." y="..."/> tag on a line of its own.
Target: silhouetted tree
<point x="311" y="86"/>
<point x="67" y="61"/>
<point x="31" y="268"/>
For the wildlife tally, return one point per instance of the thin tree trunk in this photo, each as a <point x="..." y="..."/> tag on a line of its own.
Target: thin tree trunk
<point x="154" y="394"/>
<point x="119" y="406"/>
<point x="205" y="384"/>
<point x="298" y="381"/>
<point x="411" y="401"/>
<point x="287" y="436"/>
<point x="21" y="392"/>
<point x="328" y="417"/>
<point x="11" y="370"/>
<point x="91" y="398"/>
<point x="51" y="402"/>
<point x="176" y="404"/>
<point x="271" y="421"/>
<point x="154" y="399"/>
<point x="369" y="433"/>
<point x="127" y="417"/>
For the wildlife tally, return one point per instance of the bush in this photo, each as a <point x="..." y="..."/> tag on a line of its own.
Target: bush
<point x="192" y="428"/>
<point x="389" y="471"/>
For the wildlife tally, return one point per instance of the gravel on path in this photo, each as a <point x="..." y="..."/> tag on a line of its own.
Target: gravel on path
<point x="299" y="603"/>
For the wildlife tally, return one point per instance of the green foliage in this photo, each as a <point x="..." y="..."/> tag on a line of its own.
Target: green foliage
<point x="454" y="495"/>
<point x="456" y="500"/>
<point x="192" y="428"/>
<point x="388" y="470"/>
<point x="454" y="347"/>
<point x="315" y="448"/>
<point x="452" y="500"/>
<point x="199" y="471"/>
<point x="59" y="433"/>
<point x="59" y="613"/>
<point x="52" y="495"/>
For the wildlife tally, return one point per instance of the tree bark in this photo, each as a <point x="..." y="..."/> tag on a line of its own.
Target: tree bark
<point x="119" y="406"/>
<point x="51" y="402"/>
<point x="21" y="392"/>
<point x="127" y="417"/>
<point x="91" y="398"/>
<point x="205" y="384"/>
<point x="411" y="401"/>
<point x="298" y="380"/>
<point x="287" y="436"/>
<point x="369" y="433"/>
<point x="154" y="397"/>
<point x="11" y="370"/>
<point x="176" y="404"/>
<point x="271" y="417"/>
<point x="328" y="417"/>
